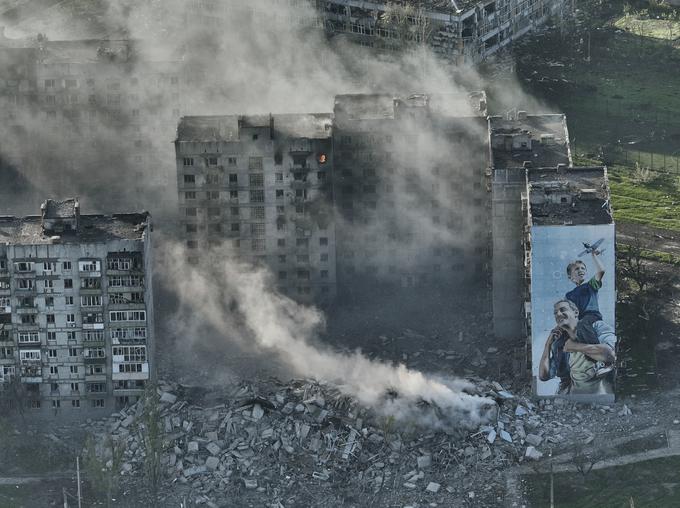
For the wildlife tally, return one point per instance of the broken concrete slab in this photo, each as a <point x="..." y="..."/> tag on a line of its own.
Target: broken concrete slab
<point x="433" y="487"/>
<point x="532" y="453"/>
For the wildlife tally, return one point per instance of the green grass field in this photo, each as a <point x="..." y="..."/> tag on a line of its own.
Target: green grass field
<point x="650" y="484"/>
<point x="649" y="27"/>
<point x="622" y="105"/>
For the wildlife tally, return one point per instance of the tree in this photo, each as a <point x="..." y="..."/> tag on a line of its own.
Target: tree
<point x="102" y="462"/>
<point x="408" y="23"/>
<point x="151" y="438"/>
<point x="633" y="265"/>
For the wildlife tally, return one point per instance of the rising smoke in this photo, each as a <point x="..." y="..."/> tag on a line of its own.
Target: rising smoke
<point x="247" y="57"/>
<point x="235" y="302"/>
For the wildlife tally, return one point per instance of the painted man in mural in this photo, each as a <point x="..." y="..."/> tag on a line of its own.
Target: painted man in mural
<point x="574" y="362"/>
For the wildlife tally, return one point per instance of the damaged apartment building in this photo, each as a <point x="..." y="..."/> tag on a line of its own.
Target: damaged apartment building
<point x="96" y="97"/>
<point x="389" y="190"/>
<point x="461" y="31"/>
<point x="76" y="310"/>
<point x="259" y="187"/>
<point x="386" y="193"/>
<point x="545" y="213"/>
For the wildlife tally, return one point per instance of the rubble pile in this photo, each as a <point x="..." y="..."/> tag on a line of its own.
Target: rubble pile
<point x="306" y="444"/>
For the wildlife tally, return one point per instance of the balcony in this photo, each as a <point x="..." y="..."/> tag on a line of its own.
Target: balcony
<point x="93" y="326"/>
<point x="92" y="360"/>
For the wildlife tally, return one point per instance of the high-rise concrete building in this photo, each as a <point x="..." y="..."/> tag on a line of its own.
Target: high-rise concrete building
<point x="517" y="142"/>
<point x="461" y="31"/>
<point x="410" y="189"/>
<point x="76" y="310"/>
<point x="85" y="107"/>
<point x="259" y="187"/>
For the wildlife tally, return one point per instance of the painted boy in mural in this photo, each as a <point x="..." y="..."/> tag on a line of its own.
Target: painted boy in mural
<point x="584" y="296"/>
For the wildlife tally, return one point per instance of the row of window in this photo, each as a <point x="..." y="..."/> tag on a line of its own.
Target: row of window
<point x="111" y="85"/>
<point x="26" y="337"/>
<point x="90" y="317"/>
<point x="112" y="263"/>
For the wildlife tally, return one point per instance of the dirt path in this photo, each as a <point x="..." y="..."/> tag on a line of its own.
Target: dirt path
<point x="662" y="240"/>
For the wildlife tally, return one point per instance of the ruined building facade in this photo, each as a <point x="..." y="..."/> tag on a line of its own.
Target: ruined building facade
<point x="386" y="192"/>
<point x="99" y="98"/>
<point x="462" y="31"/>
<point x="409" y="189"/>
<point x="76" y="310"/>
<point x="258" y="187"/>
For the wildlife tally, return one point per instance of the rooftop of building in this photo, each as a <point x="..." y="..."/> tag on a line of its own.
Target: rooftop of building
<point x="383" y="106"/>
<point x="93" y="229"/>
<point x="439" y="6"/>
<point x="569" y="196"/>
<point x="55" y="209"/>
<point x="227" y="127"/>
<point x="540" y="140"/>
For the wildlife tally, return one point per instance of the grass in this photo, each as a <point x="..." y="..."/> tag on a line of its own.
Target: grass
<point x="655" y="203"/>
<point x="651" y="484"/>
<point x="622" y="106"/>
<point x="667" y="29"/>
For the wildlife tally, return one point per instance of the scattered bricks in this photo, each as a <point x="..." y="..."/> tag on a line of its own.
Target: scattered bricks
<point x="432" y="487"/>
<point x="211" y="436"/>
<point x="424" y="461"/>
<point x="128" y="421"/>
<point x="194" y="470"/>
<point x="212" y="463"/>
<point x="250" y="484"/>
<point x="258" y="412"/>
<point x="533" y="439"/>
<point x="213" y="448"/>
<point x="520" y="411"/>
<point x="409" y="485"/>
<point x="192" y="446"/>
<point x="533" y="453"/>
<point x="168" y="397"/>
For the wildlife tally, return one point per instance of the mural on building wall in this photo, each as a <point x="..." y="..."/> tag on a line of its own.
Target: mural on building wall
<point x="572" y="311"/>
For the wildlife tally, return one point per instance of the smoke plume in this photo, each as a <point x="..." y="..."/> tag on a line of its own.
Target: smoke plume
<point x="232" y="301"/>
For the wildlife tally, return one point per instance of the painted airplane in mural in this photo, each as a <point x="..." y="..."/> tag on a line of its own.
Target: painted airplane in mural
<point x="591" y="247"/>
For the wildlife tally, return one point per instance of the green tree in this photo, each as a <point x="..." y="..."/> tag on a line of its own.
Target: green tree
<point x="102" y="462"/>
<point x="151" y="437"/>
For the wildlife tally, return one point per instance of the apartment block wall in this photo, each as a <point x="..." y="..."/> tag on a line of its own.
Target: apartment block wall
<point x="264" y="197"/>
<point x="76" y="325"/>
<point x="410" y="195"/>
<point x="468" y="35"/>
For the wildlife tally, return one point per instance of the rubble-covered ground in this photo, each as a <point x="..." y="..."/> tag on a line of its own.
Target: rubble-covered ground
<point x="303" y="444"/>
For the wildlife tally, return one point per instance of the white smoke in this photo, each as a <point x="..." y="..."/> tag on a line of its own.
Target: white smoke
<point x="239" y="304"/>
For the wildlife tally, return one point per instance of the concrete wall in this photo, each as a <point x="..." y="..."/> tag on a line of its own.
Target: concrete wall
<point x="508" y="254"/>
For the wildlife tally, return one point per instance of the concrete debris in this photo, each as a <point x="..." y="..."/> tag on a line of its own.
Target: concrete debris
<point x="433" y="487"/>
<point x="533" y="453"/>
<point x="533" y="439"/>
<point x="168" y="397"/>
<point x="267" y="441"/>
<point x="625" y="411"/>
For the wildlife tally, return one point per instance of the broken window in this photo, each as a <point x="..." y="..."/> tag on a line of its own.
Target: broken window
<point x="257" y="244"/>
<point x="233" y="194"/>
<point x="257" y="229"/>
<point x="323" y="241"/>
<point x="323" y="274"/>
<point x="282" y="275"/>
<point x="255" y="163"/>
<point x="323" y="258"/>
<point x="234" y="211"/>
<point x="235" y="227"/>
<point x="278" y="177"/>
<point x="189" y="178"/>
<point x="256" y="180"/>
<point x="192" y="244"/>
<point x="233" y="178"/>
<point x="231" y="161"/>
<point x="190" y="212"/>
<point x="279" y="193"/>
<point x="257" y="196"/>
<point x="214" y="212"/>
